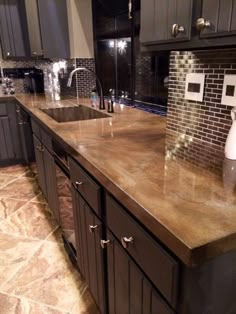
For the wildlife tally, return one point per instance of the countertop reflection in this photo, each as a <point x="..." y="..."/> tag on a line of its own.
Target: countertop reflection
<point x="189" y="204"/>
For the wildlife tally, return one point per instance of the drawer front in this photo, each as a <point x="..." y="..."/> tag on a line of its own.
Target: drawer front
<point x="3" y="109"/>
<point x="86" y="186"/>
<point x="46" y="140"/>
<point x="159" y="265"/>
<point x="36" y="129"/>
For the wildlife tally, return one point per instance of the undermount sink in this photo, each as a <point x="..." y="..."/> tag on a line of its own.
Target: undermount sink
<point x="76" y="113"/>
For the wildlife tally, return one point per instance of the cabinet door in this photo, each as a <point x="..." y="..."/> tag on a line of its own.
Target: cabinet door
<point x="91" y="255"/>
<point x="51" y="184"/>
<point x="6" y="42"/>
<point x="40" y="165"/>
<point x="165" y="20"/>
<point x="221" y="16"/>
<point x="129" y="291"/>
<point x="6" y="140"/>
<point x="54" y="28"/>
<point x="33" y="26"/>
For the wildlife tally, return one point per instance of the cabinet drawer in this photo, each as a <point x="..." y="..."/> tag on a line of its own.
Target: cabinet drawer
<point x="87" y="187"/>
<point x="155" y="261"/>
<point x="3" y="109"/>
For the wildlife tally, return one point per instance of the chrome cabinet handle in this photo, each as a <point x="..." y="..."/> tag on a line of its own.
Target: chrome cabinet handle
<point x="130" y="9"/>
<point x="92" y="228"/>
<point x="42" y="149"/>
<point x="38" y="147"/>
<point x="126" y="241"/>
<point x="177" y="29"/>
<point x="105" y="243"/>
<point x="77" y="183"/>
<point x="202" y="23"/>
<point x="8" y="53"/>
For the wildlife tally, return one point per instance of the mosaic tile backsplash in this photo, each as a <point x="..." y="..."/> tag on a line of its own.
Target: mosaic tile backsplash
<point x="200" y="128"/>
<point x="56" y="74"/>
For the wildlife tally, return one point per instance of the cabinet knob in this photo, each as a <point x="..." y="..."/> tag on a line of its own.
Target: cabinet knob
<point x="34" y="53"/>
<point x="77" y="183"/>
<point x="38" y="147"/>
<point x="202" y="23"/>
<point x="126" y="241"/>
<point x="8" y="53"/>
<point x="105" y="243"/>
<point x="177" y="29"/>
<point x="92" y="228"/>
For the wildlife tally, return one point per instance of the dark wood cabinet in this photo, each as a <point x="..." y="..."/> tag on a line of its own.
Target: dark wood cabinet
<point x="70" y="25"/>
<point x="165" y="21"/>
<point x="40" y="165"/>
<point x="19" y="28"/>
<point x="129" y="291"/>
<point x="218" y="18"/>
<point x="46" y="168"/>
<point x="89" y="253"/>
<point x="11" y="151"/>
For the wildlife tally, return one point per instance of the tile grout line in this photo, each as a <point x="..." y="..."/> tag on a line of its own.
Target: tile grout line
<point x="33" y="301"/>
<point x="11" y="215"/>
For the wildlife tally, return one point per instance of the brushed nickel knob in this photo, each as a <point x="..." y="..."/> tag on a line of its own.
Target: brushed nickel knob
<point x="105" y="243"/>
<point x="34" y="53"/>
<point x="38" y="147"/>
<point x="8" y="53"/>
<point x="202" y="23"/>
<point x="177" y="29"/>
<point x="92" y="228"/>
<point x="126" y="241"/>
<point x="77" y="183"/>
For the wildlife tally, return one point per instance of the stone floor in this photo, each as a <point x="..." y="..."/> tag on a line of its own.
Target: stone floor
<point x="36" y="276"/>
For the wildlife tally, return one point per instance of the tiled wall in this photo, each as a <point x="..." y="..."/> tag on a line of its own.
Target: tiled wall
<point x="201" y="128"/>
<point x="55" y="79"/>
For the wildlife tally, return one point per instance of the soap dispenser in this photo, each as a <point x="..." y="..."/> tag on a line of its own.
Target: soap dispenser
<point x="230" y="146"/>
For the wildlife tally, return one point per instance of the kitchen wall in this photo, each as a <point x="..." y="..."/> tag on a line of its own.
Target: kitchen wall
<point x="198" y="130"/>
<point x="56" y="73"/>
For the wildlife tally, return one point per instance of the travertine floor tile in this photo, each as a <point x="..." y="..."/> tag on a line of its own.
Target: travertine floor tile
<point x="14" y="305"/>
<point x="39" y="198"/>
<point x="48" y="278"/>
<point x="14" y="252"/>
<point x="5" y="179"/>
<point x="85" y="304"/>
<point x="33" y="220"/>
<point x="56" y="236"/>
<point x="23" y="188"/>
<point x="8" y="206"/>
<point x="15" y="170"/>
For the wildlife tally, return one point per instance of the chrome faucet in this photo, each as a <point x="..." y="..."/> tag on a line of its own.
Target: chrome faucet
<point x="101" y="103"/>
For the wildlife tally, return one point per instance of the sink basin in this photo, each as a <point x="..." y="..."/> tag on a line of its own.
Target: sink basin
<point x="77" y="113"/>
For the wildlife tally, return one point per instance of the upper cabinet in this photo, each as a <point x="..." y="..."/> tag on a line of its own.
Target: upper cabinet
<point x="187" y="24"/>
<point x="218" y="18"/>
<point x="12" y="30"/>
<point x="66" y="28"/>
<point x="165" y="20"/>
<point x="33" y="27"/>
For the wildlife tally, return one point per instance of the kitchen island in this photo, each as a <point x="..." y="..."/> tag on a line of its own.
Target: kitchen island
<point x="193" y="225"/>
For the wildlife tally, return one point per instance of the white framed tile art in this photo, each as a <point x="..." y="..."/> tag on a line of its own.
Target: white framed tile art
<point x="229" y="91"/>
<point x="194" y="86"/>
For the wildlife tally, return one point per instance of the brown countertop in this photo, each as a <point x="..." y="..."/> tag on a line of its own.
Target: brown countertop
<point x="189" y="209"/>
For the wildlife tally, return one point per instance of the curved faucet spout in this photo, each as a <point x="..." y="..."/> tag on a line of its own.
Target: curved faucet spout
<point x="101" y="104"/>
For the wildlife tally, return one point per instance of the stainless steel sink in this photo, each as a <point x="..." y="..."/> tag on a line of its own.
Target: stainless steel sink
<point x="76" y="113"/>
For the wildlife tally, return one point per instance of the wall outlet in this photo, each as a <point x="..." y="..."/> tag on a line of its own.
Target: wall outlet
<point x="194" y="86"/>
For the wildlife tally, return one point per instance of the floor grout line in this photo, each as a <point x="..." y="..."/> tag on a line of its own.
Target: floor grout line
<point x="20" y="267"/>
<point x="33" y="301"/>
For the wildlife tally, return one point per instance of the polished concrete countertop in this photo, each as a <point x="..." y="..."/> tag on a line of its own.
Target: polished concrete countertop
<point x="191" y="210"/>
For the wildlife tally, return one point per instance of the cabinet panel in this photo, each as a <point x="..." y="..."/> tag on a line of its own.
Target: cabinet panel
<point x="6" y="141"/>
<point x="154" y="260"/>
<point x="91" y="252"/>
<point x="161" y="25"/>
<point x="147" y="21"/>
<point x="40" y="165"/>
<point x="6" y="43"/>
<point x="129" y="290"/>
<point x="50" y="176"/>
<point x="33" y="27"/>
<point x="53" y="17"/>
<point x="160" y="17"/>
<point x="233" y="20"/>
